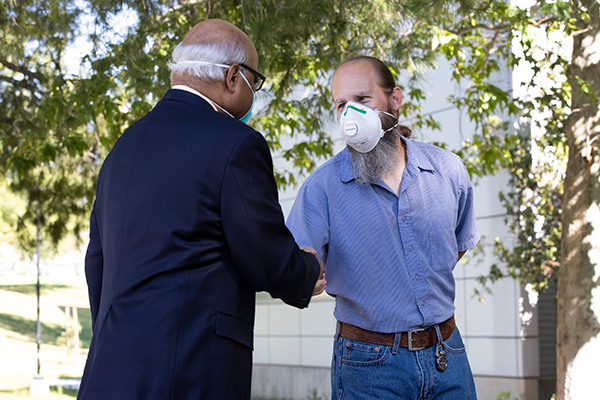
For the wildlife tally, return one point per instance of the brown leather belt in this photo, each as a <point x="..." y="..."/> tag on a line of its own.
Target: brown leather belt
<point x="415" y="340"/>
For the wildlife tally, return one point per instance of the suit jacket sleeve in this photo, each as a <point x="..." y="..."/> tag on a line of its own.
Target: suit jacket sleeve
<point x="94" y="262"/>
<point x="262" y="248"/>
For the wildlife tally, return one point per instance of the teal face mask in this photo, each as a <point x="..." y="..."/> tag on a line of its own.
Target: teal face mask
<point x="247" y="116"/>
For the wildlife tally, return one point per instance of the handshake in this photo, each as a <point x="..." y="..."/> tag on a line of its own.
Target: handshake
<point x="321" y="282"/>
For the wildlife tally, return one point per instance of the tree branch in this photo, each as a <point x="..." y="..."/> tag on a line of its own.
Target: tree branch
<point x="582" y="31"/>
<point x="482" y="26"/>
<point x="500" y="27"/>
<point x="243" y="14"/>
<point x="16" y="68"/>
<point x="543" y="20"/>
<point x="489" y="49"/>
<point x="23" y="84"/>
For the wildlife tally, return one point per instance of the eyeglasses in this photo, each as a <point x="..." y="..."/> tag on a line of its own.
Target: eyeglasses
<point x="259" y="78"/>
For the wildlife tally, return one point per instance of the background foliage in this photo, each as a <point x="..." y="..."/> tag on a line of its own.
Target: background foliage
<point x="57" y="126"/>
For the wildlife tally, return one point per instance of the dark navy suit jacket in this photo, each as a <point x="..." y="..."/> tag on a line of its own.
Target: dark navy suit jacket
<point x="186" y="228"/>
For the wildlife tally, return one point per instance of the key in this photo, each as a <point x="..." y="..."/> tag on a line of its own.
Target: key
<point x="441" y="361"/>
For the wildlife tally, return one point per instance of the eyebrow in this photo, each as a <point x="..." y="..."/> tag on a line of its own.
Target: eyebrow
<point x="357" y="95"/>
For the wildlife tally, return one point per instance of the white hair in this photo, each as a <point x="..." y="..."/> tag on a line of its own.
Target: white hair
<point x="213" y="57"/>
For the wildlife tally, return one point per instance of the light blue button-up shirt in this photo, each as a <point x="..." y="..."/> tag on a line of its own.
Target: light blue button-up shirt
<point x="389" y="258"/>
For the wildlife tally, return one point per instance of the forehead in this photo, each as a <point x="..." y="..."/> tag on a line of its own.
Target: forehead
<point x="353" y="78"/>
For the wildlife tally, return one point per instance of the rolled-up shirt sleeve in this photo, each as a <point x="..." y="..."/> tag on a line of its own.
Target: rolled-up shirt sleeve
<point x="467" y="235"/>
<point x="309" y="220"/>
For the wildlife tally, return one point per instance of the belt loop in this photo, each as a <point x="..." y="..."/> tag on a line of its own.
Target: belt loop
<point x="337" y="330"/>
<point x="439" y="334"/>
<point x="396" y="343"/>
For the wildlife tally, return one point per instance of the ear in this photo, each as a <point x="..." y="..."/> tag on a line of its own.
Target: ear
<point x="232" y="78"/>
<point x="396" y="98"/>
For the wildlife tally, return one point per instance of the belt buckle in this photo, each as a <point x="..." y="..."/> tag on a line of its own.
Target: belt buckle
<point x="410" y="340"/>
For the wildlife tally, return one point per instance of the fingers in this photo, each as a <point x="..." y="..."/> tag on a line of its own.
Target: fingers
<point x="321" y="274"/>
<point x="319" y="287"/>
<point x="309" y="250"/>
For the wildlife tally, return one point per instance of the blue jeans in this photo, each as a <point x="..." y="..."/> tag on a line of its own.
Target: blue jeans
<point x="368" y="371"/>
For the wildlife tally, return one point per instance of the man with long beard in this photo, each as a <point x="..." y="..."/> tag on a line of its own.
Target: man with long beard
<point x="390" y="218"/>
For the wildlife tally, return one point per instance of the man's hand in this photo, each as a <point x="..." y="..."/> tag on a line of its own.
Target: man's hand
<point x="319" y="287"/>
<point x="321" y="282"/>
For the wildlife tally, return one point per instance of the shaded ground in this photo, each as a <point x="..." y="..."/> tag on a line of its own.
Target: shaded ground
<point x="30" y="288"/>
<point x="18" y="348"/>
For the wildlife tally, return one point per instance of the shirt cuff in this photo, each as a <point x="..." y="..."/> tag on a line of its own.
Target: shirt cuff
<point x="469" y="244"/>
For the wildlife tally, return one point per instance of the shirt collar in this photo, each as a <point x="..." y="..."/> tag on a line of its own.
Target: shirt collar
<point x="416" y="161"/>
<point x="197" y="93"/>
<point x="415" y="157"/>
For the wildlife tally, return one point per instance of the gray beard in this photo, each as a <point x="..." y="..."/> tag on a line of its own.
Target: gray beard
<point x="379" y="162"/>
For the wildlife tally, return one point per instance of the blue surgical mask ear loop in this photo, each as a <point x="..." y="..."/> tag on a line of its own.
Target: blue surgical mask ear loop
<point x="247" y="116"/>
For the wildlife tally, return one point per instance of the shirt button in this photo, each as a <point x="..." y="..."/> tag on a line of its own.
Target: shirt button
<point x="403" y="218"/>
<point x="423" y="302"/>
<point x="417" y="277"/>
<point x="410" y="248"/>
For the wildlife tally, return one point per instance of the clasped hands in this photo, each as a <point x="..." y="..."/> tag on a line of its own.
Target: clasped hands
<point x="321" y="282"/>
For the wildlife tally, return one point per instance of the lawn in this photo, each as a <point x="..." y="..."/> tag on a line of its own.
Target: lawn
<point x="18" y="349"/>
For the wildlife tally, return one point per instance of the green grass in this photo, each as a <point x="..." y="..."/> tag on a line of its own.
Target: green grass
<point x="63" y="391"/>
<point x="50" y="332"/>
<point x="85" y="321"/>
<point x="27" y="328"/>
<point x="31" y="290"/>
<point x="18" y="333"/>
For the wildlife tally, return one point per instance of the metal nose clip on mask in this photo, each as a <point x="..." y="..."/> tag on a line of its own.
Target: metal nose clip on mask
<point x="360" y="126"/>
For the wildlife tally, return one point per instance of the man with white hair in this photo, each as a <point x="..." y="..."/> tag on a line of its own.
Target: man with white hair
<point x="185" y="229"/>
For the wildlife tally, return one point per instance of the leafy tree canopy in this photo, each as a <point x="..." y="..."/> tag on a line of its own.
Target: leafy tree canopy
<point x="57" y="127"/>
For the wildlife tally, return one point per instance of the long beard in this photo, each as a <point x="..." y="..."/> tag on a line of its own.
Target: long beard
<point x="379" y="162"/>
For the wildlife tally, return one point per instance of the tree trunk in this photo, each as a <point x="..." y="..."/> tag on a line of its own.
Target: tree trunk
<point x="578" y="331"/>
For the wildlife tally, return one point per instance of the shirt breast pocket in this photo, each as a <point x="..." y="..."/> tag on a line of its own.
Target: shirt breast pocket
<point x="442" y="244"/>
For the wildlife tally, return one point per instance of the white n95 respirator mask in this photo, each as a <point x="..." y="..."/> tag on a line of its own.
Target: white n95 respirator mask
<point x="360" y="126"/>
